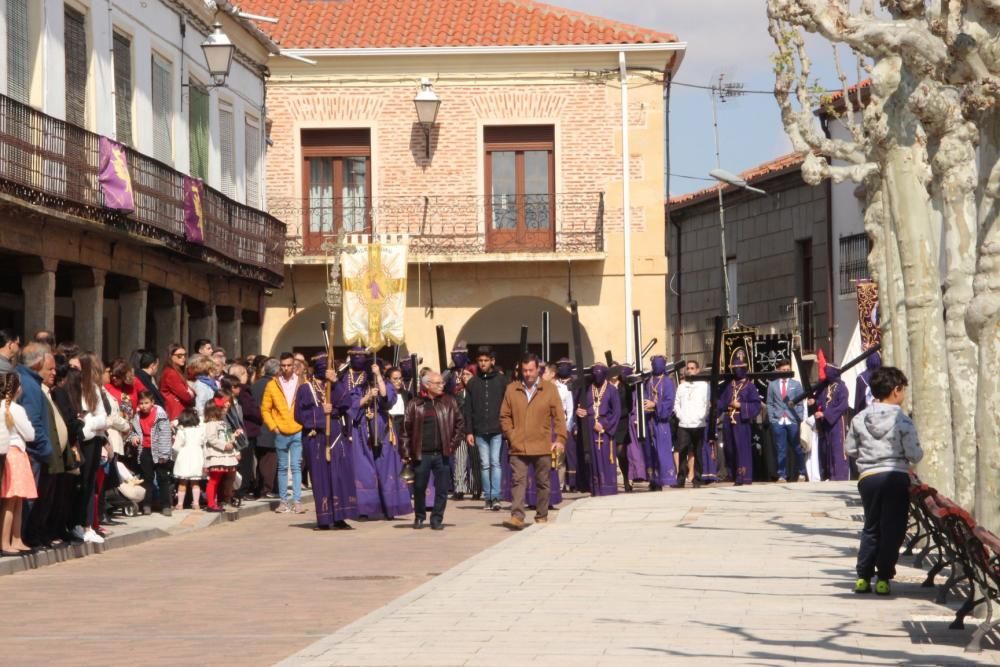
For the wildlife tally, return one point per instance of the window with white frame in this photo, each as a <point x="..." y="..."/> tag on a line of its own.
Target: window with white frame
<point x="162" y="102"/>
<point x="75" y="46"/>
<point x="251" y="148"/>
<point x="227" y="149"/>
<point x="18" y="57"/>
<point x="123" y="88"/>
<point x="853" y="261"/>
<point x="198" y="128"/>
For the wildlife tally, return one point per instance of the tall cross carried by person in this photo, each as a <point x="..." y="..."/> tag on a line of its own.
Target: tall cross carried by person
<point x="374" y="280"/>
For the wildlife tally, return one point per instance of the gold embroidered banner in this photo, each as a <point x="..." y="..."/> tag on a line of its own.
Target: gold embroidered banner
<point x="868" y="315"/>
<point x="374" y="278"/>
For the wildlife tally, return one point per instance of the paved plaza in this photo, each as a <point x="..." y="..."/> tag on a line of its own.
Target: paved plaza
<point x="757" y="575"/>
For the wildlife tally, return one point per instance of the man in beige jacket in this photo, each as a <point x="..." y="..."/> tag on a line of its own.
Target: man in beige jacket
<point x="532" y="420"/>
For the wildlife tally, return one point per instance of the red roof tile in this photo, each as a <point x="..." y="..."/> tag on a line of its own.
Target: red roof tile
<point x="780" y="165"/>
<point x="360" y="24"/>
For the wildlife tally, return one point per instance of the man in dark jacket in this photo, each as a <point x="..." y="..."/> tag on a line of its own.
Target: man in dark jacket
<point x="267" y="456"/>
<point x="483" y="397"/>
<point x="432" y="429"/>
<point x="147" y="365"/>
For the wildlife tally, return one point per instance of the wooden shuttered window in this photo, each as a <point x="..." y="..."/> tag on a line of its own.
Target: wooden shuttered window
<point x="251" y="147"/>
<point x="227" y="149"/>
<point x="198" y="129"/>
<point x="75" y="43"/>
<point x="123" y="88"/>
<point x="18" y="58"/>
<point x="162" y="102"/>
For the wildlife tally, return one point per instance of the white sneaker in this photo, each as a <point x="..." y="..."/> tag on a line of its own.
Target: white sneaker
<point x="78" y="532"/>
<point x="92" y="537"/>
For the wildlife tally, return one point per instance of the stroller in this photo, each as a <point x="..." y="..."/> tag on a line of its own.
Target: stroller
<point x="123" y="490"/>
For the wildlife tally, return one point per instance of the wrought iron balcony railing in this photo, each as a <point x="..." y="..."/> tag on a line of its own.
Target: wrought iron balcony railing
<point x="450" y="226"/>
<point x="48" y="162"/>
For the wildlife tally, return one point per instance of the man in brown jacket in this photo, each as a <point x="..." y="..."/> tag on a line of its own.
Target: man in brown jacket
<point x="432" y="429"/>
<point x="532" y="420"/>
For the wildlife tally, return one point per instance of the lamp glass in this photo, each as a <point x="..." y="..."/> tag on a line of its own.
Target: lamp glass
<point x="427" y="103"/>
<point x="218" y="53"/>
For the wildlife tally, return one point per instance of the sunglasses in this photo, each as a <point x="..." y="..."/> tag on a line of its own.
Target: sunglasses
<point x="180" y="354"/>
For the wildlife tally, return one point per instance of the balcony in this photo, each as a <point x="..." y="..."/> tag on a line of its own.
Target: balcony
<point x="53" y="165"/>
<point x="453" y="229"/>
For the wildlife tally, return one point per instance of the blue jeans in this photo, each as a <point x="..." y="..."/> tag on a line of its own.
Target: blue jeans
<point x="488" y="445"/>
<point x="785" y="435"/>
<point x="289" y="448"/>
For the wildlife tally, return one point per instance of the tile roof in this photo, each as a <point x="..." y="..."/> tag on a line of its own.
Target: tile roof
<point x="438" y="23"/>
<point x="781" y="165"/>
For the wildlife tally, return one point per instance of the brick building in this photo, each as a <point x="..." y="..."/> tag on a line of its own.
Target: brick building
<point x="514" y="202"/>
<point x="778" y="251"/>
<point x="74" y="73"/>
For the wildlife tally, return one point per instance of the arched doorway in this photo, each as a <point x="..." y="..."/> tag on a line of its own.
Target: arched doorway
<point x="302" y="333"/>
<point x="499" y="325"/>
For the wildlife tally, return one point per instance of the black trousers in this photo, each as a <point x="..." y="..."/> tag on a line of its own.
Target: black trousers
<point x="267" y="470"/>
<point x="886" y="499"/>
<point x="161" y="471"/>
<point x="247" y="469"/>
<point x="437" y="465"/>
<point x="83" y="510"/>
<point x="36" y="513"/>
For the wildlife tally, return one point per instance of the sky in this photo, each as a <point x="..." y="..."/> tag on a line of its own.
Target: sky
<point x="724" y="37"/>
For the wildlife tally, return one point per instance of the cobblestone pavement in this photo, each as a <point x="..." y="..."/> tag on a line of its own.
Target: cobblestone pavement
<point x="248" y="592"/>
<point x="758" y="575"/>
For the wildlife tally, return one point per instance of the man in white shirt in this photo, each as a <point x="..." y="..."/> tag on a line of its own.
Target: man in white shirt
<point x="691" y="408"/>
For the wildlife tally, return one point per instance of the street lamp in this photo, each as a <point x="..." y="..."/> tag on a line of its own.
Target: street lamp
<point x="218" y="52"/>
<point x="427" y="103"/>
<point x="727" y="178"/>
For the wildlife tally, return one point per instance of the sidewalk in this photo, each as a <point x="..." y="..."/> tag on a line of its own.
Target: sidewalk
<point x="754" y="575"/>
<point x="138" y="529"/>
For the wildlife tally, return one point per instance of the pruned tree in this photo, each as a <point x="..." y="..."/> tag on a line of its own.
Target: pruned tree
<point x="923" y="136"/>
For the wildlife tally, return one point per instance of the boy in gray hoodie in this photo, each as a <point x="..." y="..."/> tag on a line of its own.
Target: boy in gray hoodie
<point x="884" y="442"/>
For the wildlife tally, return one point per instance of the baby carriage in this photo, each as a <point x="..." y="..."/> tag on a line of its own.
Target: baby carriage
<point x="123" y="490"/>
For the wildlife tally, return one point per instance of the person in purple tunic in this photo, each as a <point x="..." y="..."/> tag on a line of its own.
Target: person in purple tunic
<point x="659" y="407"/>
<point x="739" y="404"/>
<point x="365" y="400"/>
<point x="332" y="478"/>
<point x="602" y="408"/>
<point x="862" y="386"/>
<point x="831" y="414"/>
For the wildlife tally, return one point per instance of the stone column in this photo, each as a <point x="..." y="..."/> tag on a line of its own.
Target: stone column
<point x="168" y="318"/>
<point x="204" y="323"/>
<point x="88" y="310"/>
<point x="132" y="303"/>
<point x="251" y="337"/>
<point x="38" y="282"/>
<point x="229" y="321"/>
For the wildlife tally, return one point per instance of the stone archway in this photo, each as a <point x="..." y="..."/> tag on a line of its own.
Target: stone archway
<point x="499" y="324"/>
<point x="302" y="332"/>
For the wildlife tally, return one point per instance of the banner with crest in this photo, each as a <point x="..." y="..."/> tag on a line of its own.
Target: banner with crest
<point x="374" y="284"/>
<point x="868" y="315"/>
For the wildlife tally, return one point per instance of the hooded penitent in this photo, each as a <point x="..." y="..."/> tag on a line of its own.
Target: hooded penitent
<point x="358" y="358"/>
<point x="460" y="355"/>
<point x="600" y="373"/>
<point x="564" y="369"/>
<point x="658" y="365"/>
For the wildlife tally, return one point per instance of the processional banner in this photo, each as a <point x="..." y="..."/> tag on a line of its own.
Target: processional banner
<point x="194" y="210"/>
<point x="114" y="177"/>
<point x="374" y="276"/>
<point x="868" y="315"/>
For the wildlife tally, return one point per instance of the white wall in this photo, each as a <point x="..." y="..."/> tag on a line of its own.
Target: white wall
<point x="153" y="26"/>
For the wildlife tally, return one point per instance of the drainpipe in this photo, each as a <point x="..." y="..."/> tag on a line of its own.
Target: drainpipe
<point x="626" y="207"/>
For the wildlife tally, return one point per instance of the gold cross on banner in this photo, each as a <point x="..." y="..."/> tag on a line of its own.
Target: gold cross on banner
<point x="373" y="287"/>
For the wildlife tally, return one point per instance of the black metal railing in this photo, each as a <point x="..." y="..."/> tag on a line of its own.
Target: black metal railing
<point x="51" y="163"/>
<point x="450" y="225"/>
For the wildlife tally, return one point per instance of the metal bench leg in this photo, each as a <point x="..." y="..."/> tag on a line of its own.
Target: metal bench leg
<point x="933" y="572"/>
<point x="975" y="646"/>
<point x="922" y="556"/>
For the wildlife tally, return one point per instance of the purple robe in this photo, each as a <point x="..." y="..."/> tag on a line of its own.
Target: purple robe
<point x="380" y="489"/>
<point x="736" y="431"/>
<point x="572" y="454"/>
<point x="833" y="403"/>
<point x="332" y="481"/>
<point x="659" y="447"/>
<point x="636" y="458"/>
<point x="604" y="462"/>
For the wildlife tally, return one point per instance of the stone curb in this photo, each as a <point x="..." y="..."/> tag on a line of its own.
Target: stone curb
<point x="11" y="565"/>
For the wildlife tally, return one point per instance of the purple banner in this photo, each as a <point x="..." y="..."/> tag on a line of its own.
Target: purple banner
<point x="116" y="183"/>
<point x="194" y="211"/>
